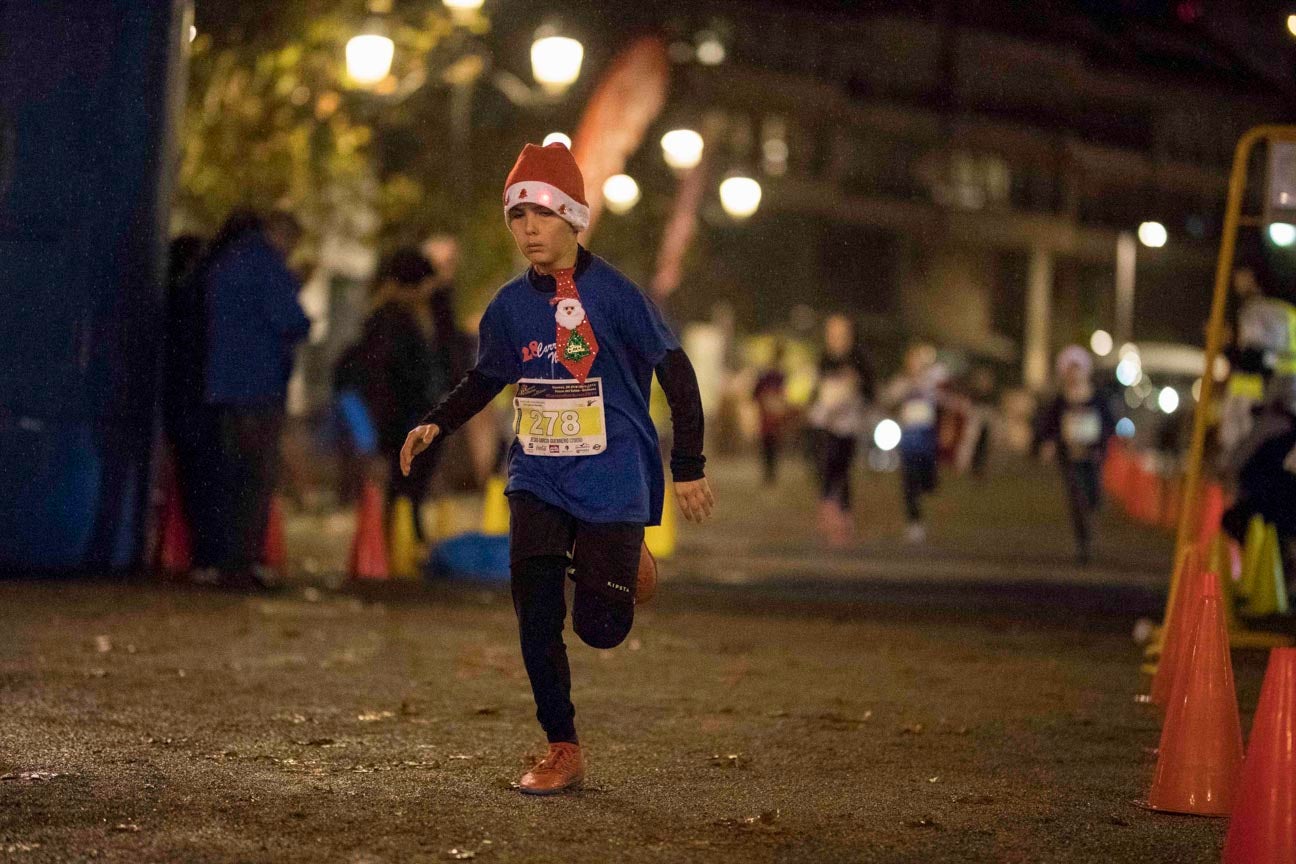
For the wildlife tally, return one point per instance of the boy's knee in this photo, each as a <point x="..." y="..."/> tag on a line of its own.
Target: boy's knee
<point x="601" y="633"/>
<point x="601" y="623"/>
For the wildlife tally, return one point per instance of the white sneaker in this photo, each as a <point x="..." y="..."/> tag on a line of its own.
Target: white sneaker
<point x="915" y="532"/>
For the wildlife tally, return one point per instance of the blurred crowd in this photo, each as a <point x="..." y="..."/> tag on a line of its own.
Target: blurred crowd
<point x="235" y="322"/>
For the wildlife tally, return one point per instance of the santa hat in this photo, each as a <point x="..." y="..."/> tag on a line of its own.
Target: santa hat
<point x="549" y="177"/>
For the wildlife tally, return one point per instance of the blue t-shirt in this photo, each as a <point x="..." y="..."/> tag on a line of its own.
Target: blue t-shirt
<point x="518" y="336"/>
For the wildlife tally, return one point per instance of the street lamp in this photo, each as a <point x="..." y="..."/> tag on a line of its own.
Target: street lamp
<point x="1152" y="234"/>
<point x="710" y="50"/>
<point x="369" y="55"/>
<point x="556" y="62"/>
<point x="463" y="11"/>
<point x="621" y="193"/>
<point x="1101" y="343"/>
<point x="1282" y="233"/>
<point x="740" y="196"/>
<point x="682" y="149"/>
<point x="1291" y="24"/>
<point x="558" y="138"/>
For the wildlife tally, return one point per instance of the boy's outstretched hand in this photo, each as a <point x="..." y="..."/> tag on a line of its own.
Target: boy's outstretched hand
<point x="695" y="499"/>
<point x="416" y="442"/>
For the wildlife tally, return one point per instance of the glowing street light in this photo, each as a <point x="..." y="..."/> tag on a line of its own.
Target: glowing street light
<point x="1291" y="24"/>
<point x="557" y="138"/>
<point x="1152" y="234"/>
<point x="740" y="196"/>
<point x="710" y="50"/>
<point x="887" y="435"/>
<point x="369" y="56"/>
<point x="1101" y="343"/>
<point x="463" y="12"/>
<point x="1168" y="400"/>
<point x="621" y="193"/>
<point x="682" y="149"/>
<point x="1129" y="371"/>
<point x="1282" y="233"/>
<point x="556" y="62"/>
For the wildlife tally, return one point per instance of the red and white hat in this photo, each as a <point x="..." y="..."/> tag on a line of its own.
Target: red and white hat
<point x="549" y="177"/>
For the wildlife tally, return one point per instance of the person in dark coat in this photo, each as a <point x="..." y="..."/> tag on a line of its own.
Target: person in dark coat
<point x="254" y="322"/>
<point x="402" y="369"/>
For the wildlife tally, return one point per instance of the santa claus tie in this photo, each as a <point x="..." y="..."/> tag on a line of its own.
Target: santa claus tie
<point x="576" y="347"/>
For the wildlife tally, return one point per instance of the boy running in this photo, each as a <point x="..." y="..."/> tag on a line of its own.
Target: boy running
<point x="581" y="342"/>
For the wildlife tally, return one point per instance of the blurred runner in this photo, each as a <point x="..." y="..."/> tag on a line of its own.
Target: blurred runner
<point x="838" y="413"/>
<point x="1074" y="428"/>
<point x="914" y="396"/>
<point x="770" y="395"/>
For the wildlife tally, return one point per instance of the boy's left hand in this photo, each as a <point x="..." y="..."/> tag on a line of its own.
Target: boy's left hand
<point x="695" y="499"/>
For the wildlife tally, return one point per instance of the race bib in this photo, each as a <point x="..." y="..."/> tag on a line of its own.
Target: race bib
<point x="560" y="418"/>
<point x="917" y="413"/>
<point x="1081" y="428"/>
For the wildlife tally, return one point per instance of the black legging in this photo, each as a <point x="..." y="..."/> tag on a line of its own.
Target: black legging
<point x="1084" y="495"/>
<point x="538" y="585"/>
<point x="246" y="476"/>
<point x="835" y="456"/>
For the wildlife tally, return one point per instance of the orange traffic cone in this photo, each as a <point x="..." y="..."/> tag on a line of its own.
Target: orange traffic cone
<point x="275" y="555"/>
<point x="1178" y="626"/>
<point x="369" y="551"/>
<point x="176" y="555"/>
<point x="1263" y="830"/>
<point x="1201" y="742"/>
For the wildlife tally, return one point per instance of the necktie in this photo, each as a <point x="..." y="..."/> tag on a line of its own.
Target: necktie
<point x="577" y="346"/>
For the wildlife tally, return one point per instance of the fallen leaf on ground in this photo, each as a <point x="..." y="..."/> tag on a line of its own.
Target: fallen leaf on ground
<point x="732" y="760"/>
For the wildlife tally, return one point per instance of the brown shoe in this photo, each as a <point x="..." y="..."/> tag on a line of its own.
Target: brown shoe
<point x="646" y="582"/>
<point x="562" y="769"/>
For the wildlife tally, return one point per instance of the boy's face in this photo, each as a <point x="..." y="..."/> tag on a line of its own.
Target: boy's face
<point x="544" y="237"/>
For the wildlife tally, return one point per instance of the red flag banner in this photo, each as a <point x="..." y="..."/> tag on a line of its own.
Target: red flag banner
<point x="623" y="106"/>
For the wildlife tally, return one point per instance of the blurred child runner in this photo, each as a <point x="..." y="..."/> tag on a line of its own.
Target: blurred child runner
<point x="770" y="395"/>
<point x="581" y="342"/>
<point x="914" y="396"/>
<point x="1076" y="426"/>
<point x="837" y="416"/>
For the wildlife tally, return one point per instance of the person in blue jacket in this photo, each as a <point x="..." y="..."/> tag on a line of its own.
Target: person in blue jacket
<point x="254" y="322"/>
<point x="581" y="342"/>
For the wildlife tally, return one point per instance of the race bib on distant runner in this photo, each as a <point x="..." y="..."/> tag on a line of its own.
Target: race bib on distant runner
<point x="917" y="413"/>
<point x="560" y="418"/>
<point x="1081" y="428"/>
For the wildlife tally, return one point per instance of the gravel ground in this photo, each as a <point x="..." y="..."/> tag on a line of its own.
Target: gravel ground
<point x="149" y="723"/>
<point x="790" y="705"/>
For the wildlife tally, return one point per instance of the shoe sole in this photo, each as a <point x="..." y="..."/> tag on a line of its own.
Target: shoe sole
<point x="540" y="793"/>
